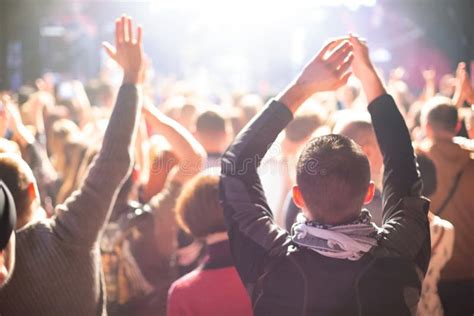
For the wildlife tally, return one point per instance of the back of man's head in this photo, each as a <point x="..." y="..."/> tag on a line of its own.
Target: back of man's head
<point x="18" y="177"/>
<point x="210" y="122"/>
<point x="333" y="176"/>
<point x="359" y="130"/>
<point x="7" y="234"/>
<point x="212" y="131"/>
<point x="302" y="127"/>
<point x="440" y="115"/>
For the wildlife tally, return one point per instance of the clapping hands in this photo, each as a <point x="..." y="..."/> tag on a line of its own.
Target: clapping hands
<point x="329" y="70"/>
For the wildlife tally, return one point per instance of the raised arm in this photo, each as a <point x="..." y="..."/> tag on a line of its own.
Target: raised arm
<point x="252" y="233"/>
<point x="406" y="230"/>
<point x="190" y="153"/>
<point x="191" y="156"/>
<point x="401" y="178"/>
<point x="83" y="215"/>
<point x="463" y="91"/>
<point x="36" y="155"/>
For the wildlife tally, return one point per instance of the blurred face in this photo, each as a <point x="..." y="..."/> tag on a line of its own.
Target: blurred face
<point x="7" y="261"/>
<point x="447" y="84"/>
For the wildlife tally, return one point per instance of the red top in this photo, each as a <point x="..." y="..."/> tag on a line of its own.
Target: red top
<point x="209" y="292"/>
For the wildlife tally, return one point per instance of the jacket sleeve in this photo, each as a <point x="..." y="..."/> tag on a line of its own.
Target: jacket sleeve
<point x="166" y="228"/>
<point x="253" y="235"/>
<point x="406" y="228"/>
<point x="82" y="216"/>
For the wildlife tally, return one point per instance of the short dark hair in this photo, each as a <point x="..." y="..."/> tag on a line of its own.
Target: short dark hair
<point x="210" y="122"/>
<point x="333" y="175"/>
<point x="441" y="115"/>
<point x="198" y="210"/>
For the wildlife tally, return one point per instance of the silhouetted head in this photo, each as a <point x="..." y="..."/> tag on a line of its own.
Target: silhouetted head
<point x="7" y="234"/>
<point x="439" y="118"/>
<point x="212" y="131"/>
<point x="198" y="210"/>
<point x="333" y="180"/>
<point x="18" y="177"/>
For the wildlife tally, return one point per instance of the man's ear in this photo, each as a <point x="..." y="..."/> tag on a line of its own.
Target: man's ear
<point x="427" y="129"/>
<point x="32" y="194"/>
<point x="369" y="196"/>
<point x="298" y="197"/>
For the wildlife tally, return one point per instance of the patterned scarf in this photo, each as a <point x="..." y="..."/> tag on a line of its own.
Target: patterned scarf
<point x="350" y="241"/>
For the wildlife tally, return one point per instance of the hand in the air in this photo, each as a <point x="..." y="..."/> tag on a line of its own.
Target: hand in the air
<point x="329" y="68"/>
<point x="128" y="52"/>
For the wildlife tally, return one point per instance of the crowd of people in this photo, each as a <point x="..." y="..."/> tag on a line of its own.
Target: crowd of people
<point x="345" y="194"/>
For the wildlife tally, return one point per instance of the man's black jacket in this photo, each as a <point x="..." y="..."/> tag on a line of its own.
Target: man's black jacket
<point x="284" y="279"/>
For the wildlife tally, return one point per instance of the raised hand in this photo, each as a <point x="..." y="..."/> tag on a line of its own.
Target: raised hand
<point x="128" y="52"/>
<point x="429" y="75"/>
<point x="20" y="132"/>
<point x="364" y="69"/>
<point x="327" y="71"/>
<point x="361" y="65"/>
<point x="463" y="90"/>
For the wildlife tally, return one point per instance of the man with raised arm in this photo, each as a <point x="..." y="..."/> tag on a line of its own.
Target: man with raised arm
<point x="58" y="270"/>
<point x="335" y="262"/>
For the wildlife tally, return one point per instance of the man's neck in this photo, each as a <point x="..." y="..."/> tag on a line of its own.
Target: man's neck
<point x="35" y="214"/>
<point x="442" y="137"/>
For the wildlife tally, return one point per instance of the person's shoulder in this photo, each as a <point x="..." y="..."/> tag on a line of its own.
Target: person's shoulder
<point x="186" y="282"/>
<point x="45" y="225"/>
<point x="464" y="143"/>
<point x="442" y="228"/>
<point x="35" y="233"/>
<point x="441" y="223"/>
<point x="423" y="147"/>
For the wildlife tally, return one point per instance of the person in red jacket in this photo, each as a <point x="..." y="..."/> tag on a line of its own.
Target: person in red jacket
<point x="214" y="288"/>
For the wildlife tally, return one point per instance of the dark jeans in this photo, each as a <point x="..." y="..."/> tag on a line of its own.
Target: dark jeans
<point x="457" y="297"/>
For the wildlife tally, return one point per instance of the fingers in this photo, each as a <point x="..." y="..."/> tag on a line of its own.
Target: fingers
<point x="139" y="34"/>
<point x="357" y="41"/>
<point x="124" y="31"/>
<point x="338" y="55"/>
<point x="330" y="45"/>
<point x="109" y="49"/>
<point x="345" y="65"/>
<point x="118" y="32"/>
<point x="344" y="79"/>
<point x="123" y="28"/>
<point x="129" y="30"/>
